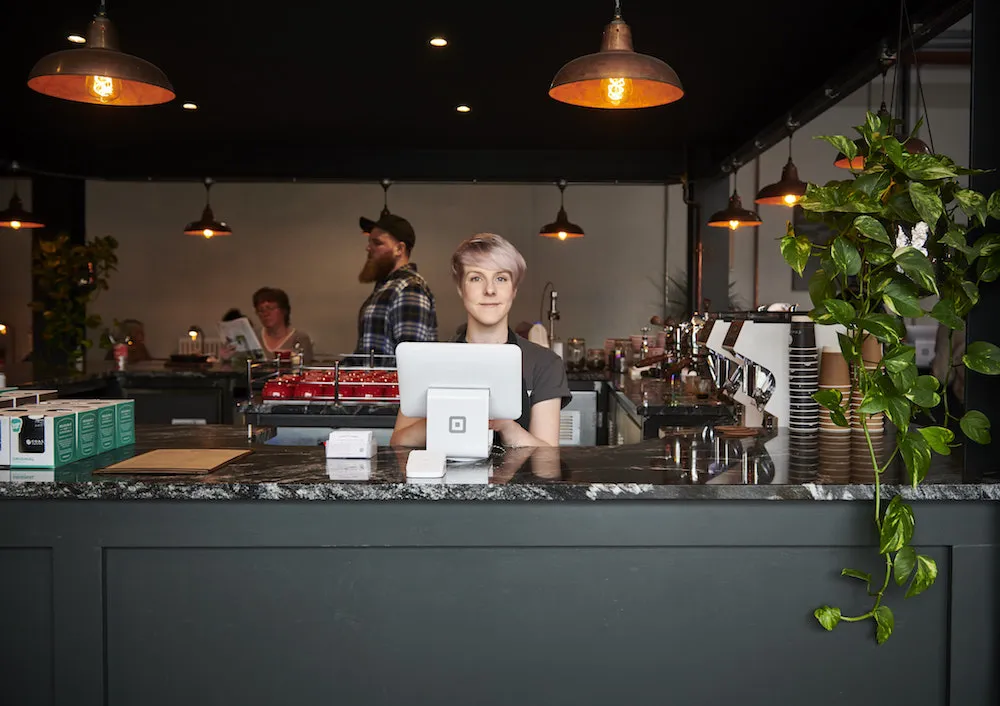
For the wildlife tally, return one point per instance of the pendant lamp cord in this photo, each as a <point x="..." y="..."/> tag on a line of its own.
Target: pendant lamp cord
<point x="102" y="9"/>
<point x="562" y="193"/>
<point x="920" y="83"/>
<point x="208" y="188"/>
<point x="895" y="73"/>
<point x="618" y="9"/>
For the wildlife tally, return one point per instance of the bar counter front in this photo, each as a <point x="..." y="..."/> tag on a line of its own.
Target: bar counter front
<point x="679" y="570"/>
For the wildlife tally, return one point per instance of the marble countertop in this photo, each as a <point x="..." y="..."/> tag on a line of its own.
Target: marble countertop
<point x="686" y="466"/>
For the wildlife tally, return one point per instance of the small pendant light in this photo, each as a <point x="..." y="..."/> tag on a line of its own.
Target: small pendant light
<point x="789" y="190"/>
<point x="207" y="227"/>
<point x="561" y="228"/>
<point x="734" y="215"/>
<point x="98" y="73"/>
<point x="616" y="77"/>
<point x="15" y="216"/>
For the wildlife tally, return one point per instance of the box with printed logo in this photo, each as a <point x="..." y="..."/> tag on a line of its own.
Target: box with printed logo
<point x="124" y="421"/>
<point x="43" y="437"/>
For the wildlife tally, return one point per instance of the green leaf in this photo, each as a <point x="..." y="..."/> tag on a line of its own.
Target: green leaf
<point x="899" y="298"/>
<point x="861" y="575"/>
<point x="955" y="238"/>
<point x="927" y="572"/>
<point x="983" y="357"/>
<point x="821" y="315"/>
<point x="873" y="402"/>
<point x="838" y="197"/>
<point x="927" y="203"/>
<point x="902" y="565"/>
<point x="873" y="184"/>
<point x="988" y="268"/>
<point x="924" y="392"/>
<point x="944" y="311"/>
<point x="916" y="456"/>
<point x="844" y="145"/>
<point x="820" y="287"/>
<point x="986" y="245"/>
<point x="899" y="357"/>
<point x="843" y="313"/>
<point x="796" y="251"/>
<point x="884" y="623"/>
<point x="971" y="291"/>
<point x="938" y="438"/>
<point x="973" y="204"/>
<point x="884" y="327"/>
<point x="828" y="617"/>
<point x="917" y="267"/>
<point x="897" y="526"/>
<point x="894" y="150"/>
<point x="925" y="167"/>
<point x="846" y="257"/>
<point x="976" y="426"/>
<point x="877" y="254"/>
<point x="830" y="399"/>
<point x="993" y="205"/>
<point x="871" y="228"/>
<point x="847" y="346"/>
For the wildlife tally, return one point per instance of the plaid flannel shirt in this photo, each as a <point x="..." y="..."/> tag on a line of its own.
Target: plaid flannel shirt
<point x="400" y="308"/>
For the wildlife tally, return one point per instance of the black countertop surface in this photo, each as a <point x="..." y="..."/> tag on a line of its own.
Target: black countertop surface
<point x="685" y="466"/>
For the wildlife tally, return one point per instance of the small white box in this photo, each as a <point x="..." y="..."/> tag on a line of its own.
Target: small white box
<point x="350" y="468"/>
<point x="351" y="444"/>
<point x="425" y="464"/>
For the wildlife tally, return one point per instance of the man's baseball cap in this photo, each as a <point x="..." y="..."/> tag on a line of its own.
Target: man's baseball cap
<point x="396" y="226"/>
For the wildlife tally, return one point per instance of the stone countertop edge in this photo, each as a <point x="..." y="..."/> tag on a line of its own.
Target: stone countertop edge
<point x="509" y="492"/>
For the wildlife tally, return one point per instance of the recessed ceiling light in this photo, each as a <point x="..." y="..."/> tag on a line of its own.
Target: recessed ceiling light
<point x="463" y="109"/>
<point x="190" y="106"/>
<point x="77" y="39"/>
<point x="439" y="42"/>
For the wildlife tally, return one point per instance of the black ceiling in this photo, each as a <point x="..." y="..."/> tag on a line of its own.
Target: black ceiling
<point x="311" y="89"/>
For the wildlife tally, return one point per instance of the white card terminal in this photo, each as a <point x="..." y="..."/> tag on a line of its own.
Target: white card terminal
<point x="355" y="443"/>
<point x="425" y="464"/>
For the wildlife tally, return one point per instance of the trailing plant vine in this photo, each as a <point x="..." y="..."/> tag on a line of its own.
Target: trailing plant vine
<point x="897" y="240"/>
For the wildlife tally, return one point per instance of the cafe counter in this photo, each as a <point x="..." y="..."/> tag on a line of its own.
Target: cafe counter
<point x="573" y="575"/>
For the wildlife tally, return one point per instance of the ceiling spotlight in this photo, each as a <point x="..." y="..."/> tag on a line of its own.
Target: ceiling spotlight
<point x="439" y="42"/>
<point x="190" y="106"/>
<point x="77" y="39"/>
<point x="463" y="109"/>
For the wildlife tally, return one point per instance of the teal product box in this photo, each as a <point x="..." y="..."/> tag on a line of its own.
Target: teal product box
<point x="107" y="428"/>
<point x="124" y="421"/>
<point x="43" y="437"/>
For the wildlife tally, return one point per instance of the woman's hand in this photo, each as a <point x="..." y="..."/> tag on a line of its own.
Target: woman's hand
<point x="226" y="351"/>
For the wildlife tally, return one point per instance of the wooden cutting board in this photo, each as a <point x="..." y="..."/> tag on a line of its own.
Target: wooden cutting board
<point x="177" y="461"/>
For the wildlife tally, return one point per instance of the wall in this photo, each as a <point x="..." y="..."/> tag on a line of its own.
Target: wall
<point x="15" y="284"/>
<point x="304" y="238"/>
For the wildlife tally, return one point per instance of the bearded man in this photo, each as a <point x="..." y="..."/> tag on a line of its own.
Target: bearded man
<point x="401" y="305"/>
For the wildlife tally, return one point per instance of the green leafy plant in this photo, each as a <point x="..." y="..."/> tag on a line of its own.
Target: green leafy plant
<point x="69" y="276"/>
<point x="897" y="240"/>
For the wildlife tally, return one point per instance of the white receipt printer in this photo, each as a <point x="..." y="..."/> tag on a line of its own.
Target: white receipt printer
<point x="355" y="443"/>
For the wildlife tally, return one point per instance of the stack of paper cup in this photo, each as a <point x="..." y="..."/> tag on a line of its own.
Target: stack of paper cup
<point x="871" y="354"/>
<point x="834" y="374"/>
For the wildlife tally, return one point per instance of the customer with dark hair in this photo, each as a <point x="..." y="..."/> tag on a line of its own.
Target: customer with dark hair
<point x="274" y="311"/>
<point x="232" y="315"/>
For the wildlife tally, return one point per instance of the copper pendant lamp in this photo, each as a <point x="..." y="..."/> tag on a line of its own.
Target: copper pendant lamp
<point x="100" y="74"/>
<point x="734" y="215"/>
<point x="15" y="216"/>
<point x="207" y="227"/>
<point x="561" y="228"/>
<point x="616" y="77"/>
<point x="789" y="190"/>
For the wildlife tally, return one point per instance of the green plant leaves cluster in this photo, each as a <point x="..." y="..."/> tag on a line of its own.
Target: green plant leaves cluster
<point x="874" y="272"/>
<point x="69" y="276"/>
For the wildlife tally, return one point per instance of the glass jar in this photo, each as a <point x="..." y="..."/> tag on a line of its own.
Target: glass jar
<point x="576" y="354"/>
<point x="596" y="360"/>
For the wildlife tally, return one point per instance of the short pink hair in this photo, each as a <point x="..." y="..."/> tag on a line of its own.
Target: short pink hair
<point x="488" y="250"/>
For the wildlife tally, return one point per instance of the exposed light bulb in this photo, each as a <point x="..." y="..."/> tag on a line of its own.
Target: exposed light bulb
<point x="463" y="109"/>
<point x="193" y="334"/>
<point x="16" y="225"/>
<point x="791" y="199"/>
<point x="208" y="232"/>
<point x="104" y="88"/>
<point x="439" y="42"/>
<point x="562" y="235"/>
<point x="616" y="90"/>
<point x="76" y="39"/>
<point x="733" y="225"/>
<point x="190" y="106"/>
<point x="3" y="329"/>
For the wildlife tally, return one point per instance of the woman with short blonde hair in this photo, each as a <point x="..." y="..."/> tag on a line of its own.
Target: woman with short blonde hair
<point x="487" y="270"/>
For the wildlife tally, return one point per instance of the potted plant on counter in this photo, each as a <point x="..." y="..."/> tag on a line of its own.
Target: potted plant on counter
<point x="68" y="276"/>
<point x="899" y="236"/>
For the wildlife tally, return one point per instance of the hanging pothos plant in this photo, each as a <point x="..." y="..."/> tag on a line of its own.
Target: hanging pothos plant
<point x="897" y="240"/>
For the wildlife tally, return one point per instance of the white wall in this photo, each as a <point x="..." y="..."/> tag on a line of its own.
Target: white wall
<point x="304" y="238"/>
<point x="15" y="283"/>
<point x="947" y="91"/>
